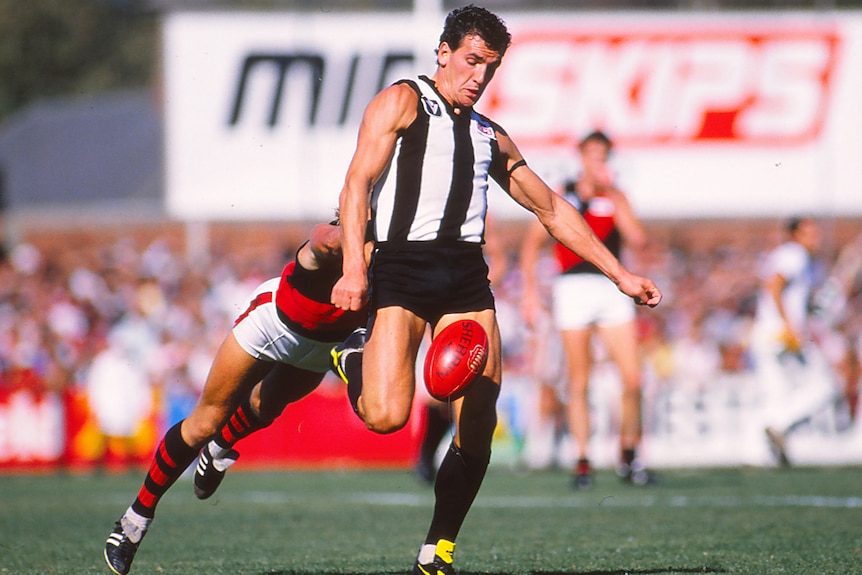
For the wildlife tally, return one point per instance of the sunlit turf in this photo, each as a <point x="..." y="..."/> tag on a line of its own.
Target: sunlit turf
<point x="751" y="521"/>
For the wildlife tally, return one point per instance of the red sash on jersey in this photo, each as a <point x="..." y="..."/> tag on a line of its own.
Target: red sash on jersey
<point x="315" y="319"/>
<point x="599" y="215"/>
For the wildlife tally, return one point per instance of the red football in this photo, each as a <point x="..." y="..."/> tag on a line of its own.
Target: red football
<point x="456" y="356"/>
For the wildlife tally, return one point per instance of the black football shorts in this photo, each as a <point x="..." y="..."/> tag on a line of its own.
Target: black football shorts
<point x="430" y="279"/>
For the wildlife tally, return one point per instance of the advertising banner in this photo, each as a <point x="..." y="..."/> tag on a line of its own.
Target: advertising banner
<point x="48" y="431"/>
<point x="732" y="115"/>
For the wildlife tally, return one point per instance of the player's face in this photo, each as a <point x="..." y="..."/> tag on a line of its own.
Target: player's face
<point x="594" y="163"/>
<point x="464" y="73"/>
<point x="808" y="235"/>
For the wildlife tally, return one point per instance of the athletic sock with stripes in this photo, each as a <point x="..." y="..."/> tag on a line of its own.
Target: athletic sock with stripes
<point x="241" y="424"/>
<point x="172" y="457"/>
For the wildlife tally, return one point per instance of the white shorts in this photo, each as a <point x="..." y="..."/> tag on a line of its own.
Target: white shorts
<point x="263" y="335"/>
<point x="583" y="300"/>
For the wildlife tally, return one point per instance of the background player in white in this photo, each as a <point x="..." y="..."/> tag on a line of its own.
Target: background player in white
<point x="796" y="380"/>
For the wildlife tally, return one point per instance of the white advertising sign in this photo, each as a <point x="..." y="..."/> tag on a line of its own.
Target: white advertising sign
<point x="713" y="116"/>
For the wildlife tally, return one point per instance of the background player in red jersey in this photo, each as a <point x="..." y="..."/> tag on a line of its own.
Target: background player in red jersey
<point x="584" y="302"/>
<point x="277" y="353"/>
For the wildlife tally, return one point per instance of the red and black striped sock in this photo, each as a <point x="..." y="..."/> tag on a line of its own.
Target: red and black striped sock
<point x="241" y="424"/>
<point x="172" y="457"/>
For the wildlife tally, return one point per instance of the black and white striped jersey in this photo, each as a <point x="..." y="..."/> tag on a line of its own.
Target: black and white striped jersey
<point x="435" y="187"/>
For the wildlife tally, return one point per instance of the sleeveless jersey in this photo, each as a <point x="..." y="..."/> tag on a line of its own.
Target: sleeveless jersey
<point x="435" y="187"/>
<point x="303" y="303"/>
<point x="599" y="214"/>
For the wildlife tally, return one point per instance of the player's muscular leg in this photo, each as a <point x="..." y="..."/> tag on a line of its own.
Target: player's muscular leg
<point x="283" y="385"/>
<point x="232" y="375"/>
<point x="389" y="369"/>
<point x="622" y="344"/>
<point x="577" y="347"/>
<point x="476" y="412"/>
<point x="463" y="467"/>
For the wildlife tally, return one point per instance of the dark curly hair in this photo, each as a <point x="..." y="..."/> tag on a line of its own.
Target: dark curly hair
<point x="471" y="19"/>
<point x="597" y="136"/>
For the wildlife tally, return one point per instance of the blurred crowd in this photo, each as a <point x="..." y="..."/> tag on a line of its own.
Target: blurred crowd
<point x="134" y="324"/>
<point x="130" y="325"/>
<point x="702" y="399"/>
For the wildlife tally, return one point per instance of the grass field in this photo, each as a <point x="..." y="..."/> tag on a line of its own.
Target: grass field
<point x="798" y="521"/>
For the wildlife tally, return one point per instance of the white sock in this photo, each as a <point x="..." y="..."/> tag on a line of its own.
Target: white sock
<point x="220" y="459"/>
<point x="223" y="463"/>
<point x="134" y="524"/>
<point x="426" y="553"/>
<point x="216" y="450"/>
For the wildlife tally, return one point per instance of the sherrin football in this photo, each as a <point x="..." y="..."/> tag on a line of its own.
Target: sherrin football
<point x="456" y="356"/>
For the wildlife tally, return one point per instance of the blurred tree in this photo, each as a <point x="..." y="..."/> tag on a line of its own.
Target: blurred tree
<point x="68" y="47"/>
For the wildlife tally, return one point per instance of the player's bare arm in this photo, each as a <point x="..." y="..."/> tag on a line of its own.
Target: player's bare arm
<point x="535" y="239"/>
<point x="389" y="112"/>
<point x="566" y="225"/>
<point x="775" y="287"/>
<point x="559" y="218"/>
<point x="629" y="225"/>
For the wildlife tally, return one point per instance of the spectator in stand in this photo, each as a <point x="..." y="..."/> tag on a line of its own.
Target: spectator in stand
<point x="120" y="396"/>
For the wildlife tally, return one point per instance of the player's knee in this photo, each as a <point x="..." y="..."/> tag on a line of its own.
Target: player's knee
<point x="631" y="382"/>
<point x="631" y="393"/>
<point x="384" y="422"/>
<point x="383" y="417"/>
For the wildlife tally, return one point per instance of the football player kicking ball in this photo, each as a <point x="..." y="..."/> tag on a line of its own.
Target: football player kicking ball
<point x="423" y="159"/>
<point x="277" y="353"/>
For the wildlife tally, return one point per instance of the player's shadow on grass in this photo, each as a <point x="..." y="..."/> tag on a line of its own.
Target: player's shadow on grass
<point x="657" y="571"/>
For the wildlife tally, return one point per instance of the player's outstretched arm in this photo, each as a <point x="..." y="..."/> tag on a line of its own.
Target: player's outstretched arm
<point x="565" y="224"/>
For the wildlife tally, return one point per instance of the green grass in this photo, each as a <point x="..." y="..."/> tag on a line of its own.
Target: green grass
<point x="798" y="521"/>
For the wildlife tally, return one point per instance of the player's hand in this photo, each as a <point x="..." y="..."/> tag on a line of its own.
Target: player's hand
<point x="350" y="292"/>
<point x="791" y="341"/>
<point x="642" y="290"/>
